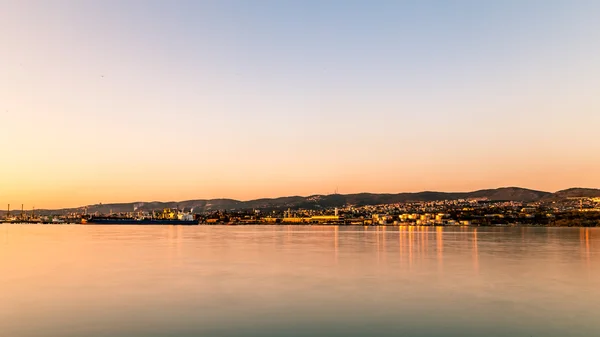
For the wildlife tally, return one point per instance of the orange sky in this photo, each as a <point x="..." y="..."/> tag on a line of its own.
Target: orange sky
<point x="111" y="102"/>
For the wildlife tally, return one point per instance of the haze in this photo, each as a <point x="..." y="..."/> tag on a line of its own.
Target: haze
<point x="110" y="101"/>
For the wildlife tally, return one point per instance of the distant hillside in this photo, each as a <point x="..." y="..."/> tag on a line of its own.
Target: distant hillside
<point x="577" y="192"/>
<point x="510" y="193"/>
<point x="334" y="200"/>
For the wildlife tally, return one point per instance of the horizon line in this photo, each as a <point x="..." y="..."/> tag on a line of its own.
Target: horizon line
<point x="300" y="196"/>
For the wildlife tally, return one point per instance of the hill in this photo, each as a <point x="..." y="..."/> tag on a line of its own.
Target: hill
<point x="334" y="200"/>
<point x="510" y="193"/>
<point x="314" y="201"/>
<point x="577" y="192"/>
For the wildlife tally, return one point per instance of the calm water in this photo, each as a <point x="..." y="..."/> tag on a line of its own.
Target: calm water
<point x="298" y="281"/>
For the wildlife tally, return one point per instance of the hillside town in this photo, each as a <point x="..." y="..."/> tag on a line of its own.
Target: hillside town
<point x="573" y="211"/>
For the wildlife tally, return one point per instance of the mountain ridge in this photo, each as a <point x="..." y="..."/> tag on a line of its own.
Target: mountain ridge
<point x="317" y="201"/>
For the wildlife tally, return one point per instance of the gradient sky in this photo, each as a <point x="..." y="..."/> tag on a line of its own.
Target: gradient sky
<point x="114" y="101"/>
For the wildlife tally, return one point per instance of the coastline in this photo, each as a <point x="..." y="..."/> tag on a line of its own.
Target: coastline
<point x="307" y="224"/>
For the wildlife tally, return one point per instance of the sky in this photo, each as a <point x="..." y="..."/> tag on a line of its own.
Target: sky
<point x="119" y="101"/>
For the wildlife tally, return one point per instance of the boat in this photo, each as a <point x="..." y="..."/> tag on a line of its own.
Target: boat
<point x="114" y="220"/>
<point x="167" y="217"/>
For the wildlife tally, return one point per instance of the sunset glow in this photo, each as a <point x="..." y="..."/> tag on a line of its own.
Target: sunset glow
<point x="119" y="101"/>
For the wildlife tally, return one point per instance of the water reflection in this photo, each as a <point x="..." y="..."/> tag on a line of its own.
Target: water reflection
<point x="335" y="240"/>
<point x="584" y="237"/>
<point x="298" y="281"/>
<point x="475" y="252"/>
<point x="440" y="246"/>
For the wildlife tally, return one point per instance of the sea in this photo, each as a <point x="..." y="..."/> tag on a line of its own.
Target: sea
<point x="78" y="280"/>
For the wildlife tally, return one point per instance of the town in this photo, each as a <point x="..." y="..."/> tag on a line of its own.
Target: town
<point x="576" y="211"/>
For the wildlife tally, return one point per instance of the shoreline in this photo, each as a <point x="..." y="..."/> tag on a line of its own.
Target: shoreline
<point x="306" y="225"/>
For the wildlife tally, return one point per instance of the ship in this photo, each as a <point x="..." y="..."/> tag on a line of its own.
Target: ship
<point x="167" y="217"/>
<point x="113" y="220"/>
